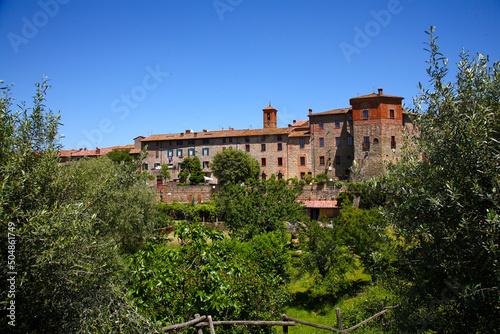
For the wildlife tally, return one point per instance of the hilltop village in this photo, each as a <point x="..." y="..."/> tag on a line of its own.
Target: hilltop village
<point x="368" y="133"/>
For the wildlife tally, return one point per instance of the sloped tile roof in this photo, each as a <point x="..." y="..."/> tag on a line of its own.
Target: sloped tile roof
<point x="87" y="153"/>
<point x="219" y="134"/>
<point x="332" y="112"/>
<point x="375" y="95"/>
<point x="320" y="204"/>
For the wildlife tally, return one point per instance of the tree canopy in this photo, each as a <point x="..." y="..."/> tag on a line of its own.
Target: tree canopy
<point x="259" y="206"/>
<point x="191" y="167"/>
<point x="68" y="226"/>
<point x="444" y="201"/>
<point x="234" y="166"/>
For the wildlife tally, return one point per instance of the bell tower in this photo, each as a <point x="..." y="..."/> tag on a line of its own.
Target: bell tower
<point x="270" y="117"/>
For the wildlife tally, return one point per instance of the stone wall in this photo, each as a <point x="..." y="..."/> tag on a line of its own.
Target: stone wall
<point x="186" y="194"/>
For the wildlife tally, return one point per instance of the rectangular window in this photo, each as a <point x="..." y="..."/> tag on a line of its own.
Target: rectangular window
<point x="391" y="113"/>
<point x="321" y="125"/>
<point x="302" y="175"/>
<point x="247" y="148"/>
<point x="191" y="142"/>
<point x="349" y="141"/>
<point x="179" y="166"/>
<point x="191" y="152"/>
<point x="263" y="147"/>
<point x="280" y="146"/>
<point x="280" y="161"/>
<point x="393" y="142"/>
<point x="205" y="164"/>
<point x="144" y="166"/>
<point x="157" y="153"/>
<point x="321" y="142"/>
<point x="170" y="143"/>
<point x="302" y="161"/>
<point x="337" y="141"/>
<point x="337" y="124"/>
<point x="206" y="141"/>
<point x="321" y="160"/>
<point x="302" y="142"/>
<point x="230" y="139"/>
<point x="365" y="114"/>
<point x="280" y="137"/>
<point x="263" y="161"/>
<point x="349" y="118"/>
<point x="223" y="140"/>
<point x="337" y="159"/>
<point x="179" y="152"/>
<point x="247" y="139"/>
<point x="179" y="142"/>
<point x="205" y="151"/>
<point x="170" y="153"/>
<point x="366" y="142"/>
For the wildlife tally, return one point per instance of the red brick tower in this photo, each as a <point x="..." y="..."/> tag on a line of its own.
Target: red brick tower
<point x="378" y="130"/>
<point x="270" y="117"/>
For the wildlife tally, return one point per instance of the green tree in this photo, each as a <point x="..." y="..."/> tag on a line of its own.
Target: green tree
<point x="191" y="167"/>
<point x="66" y="254"/>
<point x="120" y="154"/>
<point x="164" y="172"/>
<point x="259" y="206"/>
<point x="234" y="166"/>
<point x="444" y="200"/>
<point x="208" y="275"/>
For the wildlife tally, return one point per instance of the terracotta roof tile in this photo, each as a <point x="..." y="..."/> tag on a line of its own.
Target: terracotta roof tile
<point x="87" y="153"/>
<point x="219" y="134"/>
<point x="375" y="95"/>
<point x="322" y="204"/>
<point x="332" y="112"/>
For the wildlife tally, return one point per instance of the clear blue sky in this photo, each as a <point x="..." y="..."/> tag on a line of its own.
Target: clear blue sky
<point x="124" y="68"/>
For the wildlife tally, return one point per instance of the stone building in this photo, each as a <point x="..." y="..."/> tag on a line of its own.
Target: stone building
<point x="369" y="132"/>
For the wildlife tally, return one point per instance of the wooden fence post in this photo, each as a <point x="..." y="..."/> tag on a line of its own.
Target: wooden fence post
<point x="211" y="324"/>
<point x="285" y="329"/>
<point x="339" y="318"/>
<point x="200" y="330"/>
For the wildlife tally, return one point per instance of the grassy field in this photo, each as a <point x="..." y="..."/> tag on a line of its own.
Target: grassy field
<point x="311" y="305"/>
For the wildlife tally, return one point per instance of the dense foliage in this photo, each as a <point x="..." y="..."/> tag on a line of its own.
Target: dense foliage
<point x="444" y="200"/>
<point x="70" y="225"/>
<point x="120" y="154"/>
<point x="191" y="167"/>
<point x="234" y="166"/>
<point x="258" y="206"/>
<point x="208" y="275"/>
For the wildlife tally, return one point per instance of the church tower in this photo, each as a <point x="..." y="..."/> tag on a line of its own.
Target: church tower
<point x="270" y="117"/>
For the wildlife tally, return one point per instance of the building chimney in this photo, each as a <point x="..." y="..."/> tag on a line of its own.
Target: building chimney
<point x="294" y="121"/>
<point x="188" y="131"/>
<point x="204" y="130"/>
<point x="97" y="150"/>
<point x="310" y="111"/>
<point x="196" y="134"/>
<point x="380" y="91"/>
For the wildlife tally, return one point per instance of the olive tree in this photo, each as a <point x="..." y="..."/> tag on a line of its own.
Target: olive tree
<point x="444" y="201"/>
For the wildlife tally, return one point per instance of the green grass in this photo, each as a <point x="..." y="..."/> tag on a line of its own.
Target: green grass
<point x="310" y="304"/>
